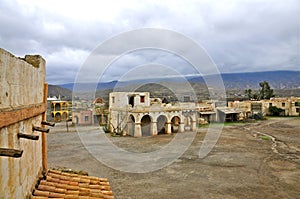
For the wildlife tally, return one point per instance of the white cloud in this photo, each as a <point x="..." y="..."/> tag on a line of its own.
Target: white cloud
<point x="238" y="35"/>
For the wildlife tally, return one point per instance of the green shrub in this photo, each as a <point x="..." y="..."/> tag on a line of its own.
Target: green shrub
<point x="264" y="137"/>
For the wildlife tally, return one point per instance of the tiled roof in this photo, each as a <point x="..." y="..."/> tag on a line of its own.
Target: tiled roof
<point x="62" y="185"/>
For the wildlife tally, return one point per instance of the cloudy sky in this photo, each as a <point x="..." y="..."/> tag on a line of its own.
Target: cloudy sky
<point x="238" y="35"/>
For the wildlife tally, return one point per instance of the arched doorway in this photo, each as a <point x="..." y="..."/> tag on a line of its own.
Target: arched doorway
<point x="64" y="116"/>
<point x="57" y="117"/>
<point x="131" y="125"/>
<point x="146" y="125"/>
<point x="175" y="124"/>
<point x="161" y="124"/>
<point x="57" y="107"/>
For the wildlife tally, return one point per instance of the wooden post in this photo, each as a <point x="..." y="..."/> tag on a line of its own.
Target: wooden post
<point x="44" y="135"/>
<point x="67" y="125"/>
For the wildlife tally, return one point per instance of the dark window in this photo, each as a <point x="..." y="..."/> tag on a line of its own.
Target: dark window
<point x="86" y="118"/>
<point x="283" y="104"/>
<point x="297" y="103"/>
<point x="131" y="101"/>
<point x="113" y="99"/>
<point x="186" y="98"/>
<point x="297" y="110"/>
<point x="142" y="99"/>
<point x="270" y="104"/>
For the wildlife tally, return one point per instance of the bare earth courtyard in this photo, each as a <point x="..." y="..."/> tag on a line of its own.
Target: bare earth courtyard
<point x="243" y="164"/>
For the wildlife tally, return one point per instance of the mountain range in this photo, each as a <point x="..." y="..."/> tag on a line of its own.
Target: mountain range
<point x="276" y="79"/>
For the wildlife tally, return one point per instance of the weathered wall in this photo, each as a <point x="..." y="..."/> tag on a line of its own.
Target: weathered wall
<point x="287" y="104"/>
<point x="83" y="117"/>
<point x="21" y="86"/>
<point x="121" y="99"/>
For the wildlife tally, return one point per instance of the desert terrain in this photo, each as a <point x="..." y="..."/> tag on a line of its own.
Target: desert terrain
<point x="250" y="160"/>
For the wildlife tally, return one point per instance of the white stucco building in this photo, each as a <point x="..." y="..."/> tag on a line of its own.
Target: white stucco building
<point x="136" y="114"/>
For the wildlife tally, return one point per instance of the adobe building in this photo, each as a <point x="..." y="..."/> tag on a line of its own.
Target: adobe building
<point x="23" y="143"/>
<point x="291" y="106"/>
<point x="100" y="111"/>
<point x="82" y="117"/>
<point x="136" y="114"/>
<point x="23" y="157"/>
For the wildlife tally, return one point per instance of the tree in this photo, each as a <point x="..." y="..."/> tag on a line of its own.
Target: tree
<point x="248" y="92"/>
<point x="251" y="95"/>
<point x="265" y="92"/>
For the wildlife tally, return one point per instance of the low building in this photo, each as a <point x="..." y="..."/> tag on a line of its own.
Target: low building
<point x="83" y="117"/>
<point x="136" y="114"/>
<point x="290" y="106"/>
<point x="100" y="111"/>
<point x="207" y="113"/>
<point x="226" y="114"/>
<point x="60" y="110"/>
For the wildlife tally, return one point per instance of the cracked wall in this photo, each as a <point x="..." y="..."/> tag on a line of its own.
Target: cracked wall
<point x="21" y="86"/>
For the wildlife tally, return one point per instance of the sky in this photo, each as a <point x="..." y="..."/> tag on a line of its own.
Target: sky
<point x="239" y="36"/>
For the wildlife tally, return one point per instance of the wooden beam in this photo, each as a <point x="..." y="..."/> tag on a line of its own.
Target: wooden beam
<point x="40" y="129"/>
<point x="48" y="123"/>
<point x="27" y="136"/>
<point x="13" y="116"/>
<point x="11" y="152"/>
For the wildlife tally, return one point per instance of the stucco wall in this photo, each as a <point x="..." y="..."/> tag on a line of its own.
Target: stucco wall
<point x="83" y="117"/>
<point x="21" y="85"/>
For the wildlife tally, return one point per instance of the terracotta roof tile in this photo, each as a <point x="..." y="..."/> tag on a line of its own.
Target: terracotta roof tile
<point x="62" y="185"/>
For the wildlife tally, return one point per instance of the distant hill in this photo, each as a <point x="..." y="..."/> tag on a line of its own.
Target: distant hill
<point x="285" y="83"/>
<point x="276" y="79"/>
<point x="64" y="93"/>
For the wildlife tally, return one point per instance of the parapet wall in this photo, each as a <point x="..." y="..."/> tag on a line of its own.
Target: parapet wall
<point x="22" y="106"/>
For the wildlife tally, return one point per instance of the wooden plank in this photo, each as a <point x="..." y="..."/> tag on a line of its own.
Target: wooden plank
<point x="11" y="152"/>
<point x="11" y="117"/>
<point x="40" y="129"/>
<point x="27" y="136"/>
<point x="48" y="123"/>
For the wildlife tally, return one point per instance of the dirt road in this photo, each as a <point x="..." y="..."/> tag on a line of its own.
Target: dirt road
<point x="245" y="163"/>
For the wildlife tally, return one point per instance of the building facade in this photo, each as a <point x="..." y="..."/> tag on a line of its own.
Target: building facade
<point x="290" y="106"/>
<point x="136" y="114"/>
<point x="23" y="156"/>
<point x="83" y="117"/>
<point x="60" y="110"/>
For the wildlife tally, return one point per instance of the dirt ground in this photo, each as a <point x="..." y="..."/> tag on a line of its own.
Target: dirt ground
<point x="251" y="160"/>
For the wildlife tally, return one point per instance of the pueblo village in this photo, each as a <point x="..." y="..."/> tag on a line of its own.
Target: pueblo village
<point x="39" y="144"/>
<point x="149" y="99"/>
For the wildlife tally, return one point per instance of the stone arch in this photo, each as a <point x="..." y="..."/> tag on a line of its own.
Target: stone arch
<point x="64" y="116"/>
<point x="57" y="117"/>
<point x="57" y="107"/>
<point x="146" y="125"/>
<point x="130" y="125"/>
<point x="161" y="124"/>
<point x="175" y="122"/>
